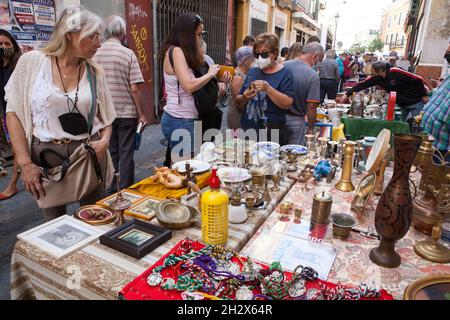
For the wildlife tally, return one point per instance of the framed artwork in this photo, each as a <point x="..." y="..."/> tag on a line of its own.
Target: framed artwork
<point x="61" y="237"/>
<point x="363" y="193"/>
<point x="130" y="195"/>
<point x="323" y="130"/>
<point x="434" y="287"/>
<point x="144" y="209"/>
<point x="136" y="238"/>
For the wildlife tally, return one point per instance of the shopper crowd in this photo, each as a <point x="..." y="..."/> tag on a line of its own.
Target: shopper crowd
<point x="79" y="99"/>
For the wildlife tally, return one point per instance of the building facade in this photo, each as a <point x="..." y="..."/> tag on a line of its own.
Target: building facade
<point x="428" y="31"/>
<point x="392" y="26"/>
<point x="292" y="20"/>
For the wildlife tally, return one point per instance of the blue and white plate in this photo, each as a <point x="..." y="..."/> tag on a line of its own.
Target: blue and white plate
<point x="268" y="146"/>
<point x="295" y="148"/>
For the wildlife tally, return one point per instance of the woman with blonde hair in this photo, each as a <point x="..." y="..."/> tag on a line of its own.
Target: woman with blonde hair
<point x="59" y="107"/>
<point x="294" y="51"/>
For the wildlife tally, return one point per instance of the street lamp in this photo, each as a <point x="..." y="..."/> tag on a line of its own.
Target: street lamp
<point x="336" y="18"/>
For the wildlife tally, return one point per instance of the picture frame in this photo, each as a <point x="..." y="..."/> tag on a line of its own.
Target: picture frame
<point x="144" y="209"/>
<point x="434" y="287"/>
<point x="61" y="237"/>
<point x="136" y="238"/>
<point x="363" y="193"/>
<point x="128" y="194"/>
<point x="323" y="130"/>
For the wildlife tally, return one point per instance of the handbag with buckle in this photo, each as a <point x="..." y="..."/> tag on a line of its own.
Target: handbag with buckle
<point x="80" y="173"/>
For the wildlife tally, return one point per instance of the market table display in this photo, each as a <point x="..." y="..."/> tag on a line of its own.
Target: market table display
<point x="357" y="127"/>
<point x="99" y="272"/>
<point x="352" y="265"/>
<point x="285" y="239"/>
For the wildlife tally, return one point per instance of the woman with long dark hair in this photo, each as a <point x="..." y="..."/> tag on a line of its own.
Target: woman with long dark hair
<point x="9" y="55"/>
<point x="182" y="54"/>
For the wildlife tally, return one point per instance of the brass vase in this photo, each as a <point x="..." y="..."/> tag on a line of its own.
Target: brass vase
<point x="394" y="211"/>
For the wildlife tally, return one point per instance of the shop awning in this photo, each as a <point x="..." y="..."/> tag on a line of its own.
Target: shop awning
<point x="302" y="17"/>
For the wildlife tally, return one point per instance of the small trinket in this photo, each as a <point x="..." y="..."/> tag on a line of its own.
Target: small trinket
<point x="244" y="293"/>
<point x="154" y="279"/>
<point x="314" y="294"/>
<point x="168" y="284"/>
<point x="298" y="289"/>
<point x="191" y="296"/>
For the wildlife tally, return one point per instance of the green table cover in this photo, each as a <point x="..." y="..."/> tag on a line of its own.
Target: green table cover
<point x="356" y="127"/>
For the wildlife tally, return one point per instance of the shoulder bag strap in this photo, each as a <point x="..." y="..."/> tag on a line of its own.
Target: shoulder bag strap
<point x="173" y="67"/>
<point x="92" y="78"/>
<point x="46" y="166"/>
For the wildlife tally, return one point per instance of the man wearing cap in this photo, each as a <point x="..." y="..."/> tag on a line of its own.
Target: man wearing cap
<point x="393" y="57"/>
<point x="245" y="61"/>
<point x="411" y="89"/>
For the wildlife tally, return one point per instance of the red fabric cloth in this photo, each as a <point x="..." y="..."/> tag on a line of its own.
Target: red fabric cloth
<point x="139" y="289"/>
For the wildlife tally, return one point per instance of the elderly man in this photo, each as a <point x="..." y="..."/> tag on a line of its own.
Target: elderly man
<point x="123" y="75"/>
<point x="306" y="93"/>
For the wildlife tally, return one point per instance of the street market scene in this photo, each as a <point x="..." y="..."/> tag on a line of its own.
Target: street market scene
<point x="225" y="150"/>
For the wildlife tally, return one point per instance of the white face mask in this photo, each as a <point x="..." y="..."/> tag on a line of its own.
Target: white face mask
<point x="263" y="63"/>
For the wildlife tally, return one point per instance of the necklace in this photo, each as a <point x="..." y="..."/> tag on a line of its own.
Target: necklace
<point x="64" y="86"/>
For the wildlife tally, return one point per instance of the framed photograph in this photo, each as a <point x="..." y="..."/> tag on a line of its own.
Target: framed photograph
<point x="144" y="209"/>
<point x="61" y="237"/>
<point x="130" y="195"/>
<point x="434" y="287"/>
<point x="136" y="238"/>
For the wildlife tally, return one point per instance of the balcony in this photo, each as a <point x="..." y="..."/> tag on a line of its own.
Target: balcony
<point x="307" y="20"/>
<point x="396" y="44"/>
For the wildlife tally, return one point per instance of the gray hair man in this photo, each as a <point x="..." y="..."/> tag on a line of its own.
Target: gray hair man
<point x="306" y="93"/>
<point x="124" y="77"/>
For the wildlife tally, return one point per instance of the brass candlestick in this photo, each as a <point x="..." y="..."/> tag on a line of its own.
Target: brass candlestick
<point x="120" y="204"/>
<point x="323" y="147"/>
<point x="433" y="250"/>
<point x="358" y="157"/>
<point x="310" y="144"/>
<point x="345" y="184"/>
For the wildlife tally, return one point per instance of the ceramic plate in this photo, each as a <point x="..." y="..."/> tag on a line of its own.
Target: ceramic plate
<point x="197" y="165"/>
<point x="233" y="174"/>
<point x="95" y="215"/>
<point x="300" y="150"/>
<point x="266" y="145"/>
<point x="378" y="151"/>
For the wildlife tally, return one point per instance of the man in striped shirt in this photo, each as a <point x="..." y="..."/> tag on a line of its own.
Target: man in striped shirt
<point x="123" y="75"/>
<point x="436" y="118"/>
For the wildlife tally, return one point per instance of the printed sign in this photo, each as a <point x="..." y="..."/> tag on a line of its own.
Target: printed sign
<point x="24" y="14"/>
<point x="44" y="14"/>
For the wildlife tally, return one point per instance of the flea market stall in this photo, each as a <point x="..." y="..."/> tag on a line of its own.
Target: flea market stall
<point x="255" y="221"/>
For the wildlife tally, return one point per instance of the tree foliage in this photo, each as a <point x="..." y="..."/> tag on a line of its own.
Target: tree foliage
<point x="375" y="44"/>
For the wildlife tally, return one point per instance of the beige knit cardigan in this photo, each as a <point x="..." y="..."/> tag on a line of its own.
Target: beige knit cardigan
<point x="19" y="89"/>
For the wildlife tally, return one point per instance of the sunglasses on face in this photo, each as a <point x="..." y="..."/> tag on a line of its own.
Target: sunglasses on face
<point x="264" y="54"/>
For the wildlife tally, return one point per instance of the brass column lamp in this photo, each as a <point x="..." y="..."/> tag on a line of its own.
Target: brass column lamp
<point x="345" y="184"/>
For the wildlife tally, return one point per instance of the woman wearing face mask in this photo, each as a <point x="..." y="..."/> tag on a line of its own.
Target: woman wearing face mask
<point x="245" y="60"/>
<point x="268" y="90"/>
<point x="182" y="53"/>
<point x="58" y="104"/>
<point x="9" y="55"/>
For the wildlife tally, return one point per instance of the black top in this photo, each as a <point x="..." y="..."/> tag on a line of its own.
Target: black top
<point x="410" y="87"/>
<point x="5" y="74"/>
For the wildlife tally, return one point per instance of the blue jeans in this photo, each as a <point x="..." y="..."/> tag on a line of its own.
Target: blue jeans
<point x="413" y="109"/>
<point x="168" y="126"/>
<point x="296" y="127"/>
